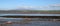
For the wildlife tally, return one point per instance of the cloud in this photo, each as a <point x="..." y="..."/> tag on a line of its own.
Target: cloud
<point x="55" y="5"/>
<point x="48" y="7"/>
<point x="27" y="7"/>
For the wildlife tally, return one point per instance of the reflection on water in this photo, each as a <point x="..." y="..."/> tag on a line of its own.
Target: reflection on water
<point x="36" y="23"/>
<point x="10" y="19"/>
<point x="30" y="14"/>
<point x="31" y="23"/>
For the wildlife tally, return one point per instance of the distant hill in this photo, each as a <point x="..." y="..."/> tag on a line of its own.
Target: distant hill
<point x="30" y="12"/>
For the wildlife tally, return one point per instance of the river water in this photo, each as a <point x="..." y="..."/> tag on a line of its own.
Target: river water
<point x="37" y="23"/>
<point x="32" y="23"/>
<point x="29" y="14"/>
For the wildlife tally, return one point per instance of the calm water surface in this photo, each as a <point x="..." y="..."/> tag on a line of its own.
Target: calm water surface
<point x="37" y="23"/>
<point x="32" y="23"/>
<point x="30" y="14"/>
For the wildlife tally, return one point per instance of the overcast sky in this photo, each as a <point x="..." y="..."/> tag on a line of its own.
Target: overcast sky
<point x="30" y="4"/>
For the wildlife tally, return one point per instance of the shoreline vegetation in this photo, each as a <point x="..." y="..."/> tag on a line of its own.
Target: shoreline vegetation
<point x="29" y="11"/>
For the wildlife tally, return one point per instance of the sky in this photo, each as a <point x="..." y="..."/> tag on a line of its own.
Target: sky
<point x="30" y="4"/>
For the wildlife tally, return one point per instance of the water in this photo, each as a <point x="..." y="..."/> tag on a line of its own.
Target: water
<point x="29" y="14"/>
<point x="38" y="23"/>
<point x="32" y="23"/>
<point x="10" y="19"/>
